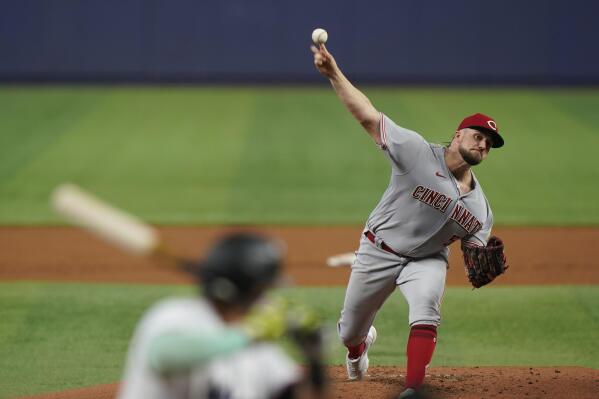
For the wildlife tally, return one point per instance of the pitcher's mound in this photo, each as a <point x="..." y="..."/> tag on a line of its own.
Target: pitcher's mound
<point x="474" y="383"/>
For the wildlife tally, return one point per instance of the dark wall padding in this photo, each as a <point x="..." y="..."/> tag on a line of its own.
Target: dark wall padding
<point x="430" y="41"/>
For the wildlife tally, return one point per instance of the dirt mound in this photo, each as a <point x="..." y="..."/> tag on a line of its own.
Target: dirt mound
<point x="475" y="383"/>
<point x="442" y="383"/>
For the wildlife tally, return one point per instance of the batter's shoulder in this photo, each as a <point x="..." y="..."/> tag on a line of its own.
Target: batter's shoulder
<point x="180" y="310"/>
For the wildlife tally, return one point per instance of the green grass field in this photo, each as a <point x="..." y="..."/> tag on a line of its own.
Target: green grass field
<point x="227" y="155"/>
<point x="282" y="155"/>
<point x="59" y="336"/>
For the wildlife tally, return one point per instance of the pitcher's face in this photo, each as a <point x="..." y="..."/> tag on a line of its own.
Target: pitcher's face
<point x="473" y="145"/>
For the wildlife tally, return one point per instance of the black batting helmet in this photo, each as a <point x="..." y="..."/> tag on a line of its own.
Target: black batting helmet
<point x="239" y="267"/>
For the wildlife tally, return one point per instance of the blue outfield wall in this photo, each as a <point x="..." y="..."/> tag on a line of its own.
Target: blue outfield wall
<point x="430" y="41"/>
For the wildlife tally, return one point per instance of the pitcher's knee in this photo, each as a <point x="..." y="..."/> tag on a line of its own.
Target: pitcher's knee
<point x="425" y="317"/>
<point x="350" y="338"/>
<point x="425" y="311"/>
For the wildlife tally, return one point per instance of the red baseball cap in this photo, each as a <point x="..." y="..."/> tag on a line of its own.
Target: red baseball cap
<point x="486" y="123"/>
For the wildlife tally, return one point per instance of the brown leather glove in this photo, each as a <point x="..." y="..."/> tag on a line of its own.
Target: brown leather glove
<point x="483" y="264"/>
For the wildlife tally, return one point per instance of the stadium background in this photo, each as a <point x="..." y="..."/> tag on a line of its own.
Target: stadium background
<point x="198" y="116"/>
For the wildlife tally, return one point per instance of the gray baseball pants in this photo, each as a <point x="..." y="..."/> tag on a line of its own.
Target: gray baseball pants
<point x="374" y="276"/>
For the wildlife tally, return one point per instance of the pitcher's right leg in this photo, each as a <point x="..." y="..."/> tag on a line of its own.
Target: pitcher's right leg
<point x="364" y="296"/>
<point x="362" y="301"/>
<point x="371" y="282"/>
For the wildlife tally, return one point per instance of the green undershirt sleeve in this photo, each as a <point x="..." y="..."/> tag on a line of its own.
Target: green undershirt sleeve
<point x="178" y="351"/>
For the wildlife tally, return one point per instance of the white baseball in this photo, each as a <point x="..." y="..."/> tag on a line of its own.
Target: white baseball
<point x="319" y="36"/>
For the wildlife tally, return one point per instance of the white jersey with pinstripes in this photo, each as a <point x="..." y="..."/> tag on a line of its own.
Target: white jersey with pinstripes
<point x="258" y="371"/>
<point x="422" y="211"/>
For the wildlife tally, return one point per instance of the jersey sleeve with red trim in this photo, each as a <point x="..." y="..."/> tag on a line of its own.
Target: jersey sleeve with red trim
<point x="403" y="146"/>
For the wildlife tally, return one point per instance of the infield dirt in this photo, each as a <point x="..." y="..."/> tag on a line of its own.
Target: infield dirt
<point x="536" y="256"/>
<point x="442" y="382"/>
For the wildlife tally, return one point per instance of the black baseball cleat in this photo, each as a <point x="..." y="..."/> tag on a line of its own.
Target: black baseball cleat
<point x="411" y="393"/>
<point x="408" y="393"/>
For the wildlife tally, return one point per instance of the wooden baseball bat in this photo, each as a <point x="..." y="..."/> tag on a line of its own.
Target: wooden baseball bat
<point x="111" y="224"/>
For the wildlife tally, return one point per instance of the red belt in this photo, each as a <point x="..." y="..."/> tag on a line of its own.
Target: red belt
<point x="370" y="235"/>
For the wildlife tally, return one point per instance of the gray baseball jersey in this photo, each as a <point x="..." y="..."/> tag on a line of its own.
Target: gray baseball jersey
<point x="254" y="372"/>
<point x="420" y="214"/>
<point x="422" y="211"/>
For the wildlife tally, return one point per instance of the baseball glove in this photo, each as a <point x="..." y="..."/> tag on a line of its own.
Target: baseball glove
<point x="483" y="264"/>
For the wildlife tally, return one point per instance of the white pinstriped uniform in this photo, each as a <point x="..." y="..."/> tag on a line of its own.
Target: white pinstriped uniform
<point x="255" y="372"/>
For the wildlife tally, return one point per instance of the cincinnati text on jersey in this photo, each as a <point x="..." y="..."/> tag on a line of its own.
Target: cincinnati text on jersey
<point x="441" y="202"/>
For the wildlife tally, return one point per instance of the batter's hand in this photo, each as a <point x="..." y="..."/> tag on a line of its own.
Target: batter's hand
<point x="324" y="61"/>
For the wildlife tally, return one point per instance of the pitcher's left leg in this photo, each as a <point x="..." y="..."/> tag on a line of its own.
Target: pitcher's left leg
<point x="422" y="282"/>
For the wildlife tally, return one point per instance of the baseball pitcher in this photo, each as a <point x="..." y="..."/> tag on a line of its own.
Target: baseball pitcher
<point x="432" y="200"/>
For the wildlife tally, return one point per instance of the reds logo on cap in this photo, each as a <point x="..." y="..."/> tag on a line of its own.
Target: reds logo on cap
<point x="485" y="123"/>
